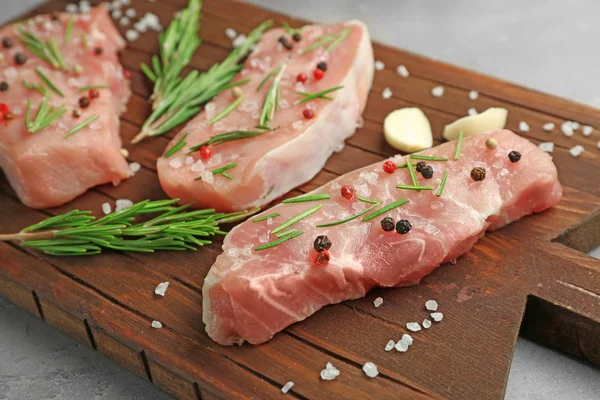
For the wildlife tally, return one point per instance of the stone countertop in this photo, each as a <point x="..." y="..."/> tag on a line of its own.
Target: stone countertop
<point x="548" y="46"/>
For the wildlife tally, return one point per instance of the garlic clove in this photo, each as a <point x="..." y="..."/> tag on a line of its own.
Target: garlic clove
<point x="408" y="130"/>
<point x="492" y="118"/>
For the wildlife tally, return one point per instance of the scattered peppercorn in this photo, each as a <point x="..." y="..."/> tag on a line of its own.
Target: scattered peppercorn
<point x="98" y="50"/>
<point x="55" y="16"/>
<point x="205" y="152"/>
<point x="420" y="165"/>
<point x="403" y="227"/>
<point x="301" y="77"/>
<point x="127" y="74"/>
<point x="389" y="167"/>
<point x="491" y="143"/>
<point x="387" y="224"/>
<point x="347" y="192"/>
<point x="322" y="257"/>
<point x="308" y="113"/>
<point x="237" y="92"/>
<point x="94" y="93"/>
<point x="427" y="172"/>
<point x="4" y="108"/>
<point x="322" y="66"/>
<point x="84" y="102"/>
<point x="514" y="156"/>
<point x="7" y="42"/>
<point x="297" y="37"/>
<point x="76" y="113"/>
<point x="3" y="86"/>
<point x="20" y="58"/>
<point x="285" y="43"/>
<point x="318" y="74"/>
<point x="9" y="116"/>
<point x="321" y="243"/>
<point x="478" y="174"/>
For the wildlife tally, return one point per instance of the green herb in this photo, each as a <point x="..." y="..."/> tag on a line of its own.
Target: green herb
<point x="286" y="233"/>
<point x="229" y="137"/>
<point x="385" y="209"/>
<point x="266" y="78"/>
<point x="40" y="88"/>
<point x="367" y="200"/>
<point x="227" y="110"/>
<point x="320" y="95"/>
<point x="69" y="29"/>
<point x="339" y="39"/>
<point x="79" y="233"/>
<point x="291" y="31"/>
<point x="49" y="82"/>
<point x="45" y="116"/>
<point x="278" y="241"/>
<point x="221" y="171"/>
<point x="82" y="125"/>
<point x="458" y="145"/>
<point x="86" y="88"/>
<point x="442" y="184"/>
<point x="178" y="146"/>
<point x="411" y="171"/>
<point x="333" y="39"/>
<point x="271" y="102"/>
<point x="343" y="221"/>
<point x="84" y="40"/>
<point x="47" y="51"/>
<point x="428" y="158"/>
<point x="53" y="45"/>
<point x="265" y="217"/>
<point x="417" y="188"/>
<point x="297" y="218"/>
<point x="182" y="98"/>
<point x="312" y="197"/>
<point x="401" y="165"/>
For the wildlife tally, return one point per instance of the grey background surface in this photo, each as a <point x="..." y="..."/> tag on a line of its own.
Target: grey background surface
<point x="549" y="45"/>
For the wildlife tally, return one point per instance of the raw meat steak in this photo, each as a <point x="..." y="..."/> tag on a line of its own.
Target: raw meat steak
<point x="45" y="168"/>
<point x="250" y="295"/>
<point x="275" y="162"/>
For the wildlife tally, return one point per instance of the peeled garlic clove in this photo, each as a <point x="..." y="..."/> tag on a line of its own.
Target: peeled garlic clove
<point x="492" y="118"/>
<point x="408" y="130"/>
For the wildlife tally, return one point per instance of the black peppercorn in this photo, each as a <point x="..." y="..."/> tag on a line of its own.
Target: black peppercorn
<point x="20" y="58"/>
<point x="55" y="16"/>
<point x="322" y="66"/>
<point x="285" y="43"/>
<point x="427" y="172"/>
<point x="420" y="165"/>
<point x="84" y="102"/>
<point x="403" y="227"/>
<point x="322" y="242"/>
<point x="7" y="42"/>
<point x="76" y="113"/>
<point x="478" y="174"/>
<point x="3" y="86"/>
<point x="514" y="156"/>
<point x="387" y="224"/>
<point x="98" y="50"/>
<point x="297" y="37"/>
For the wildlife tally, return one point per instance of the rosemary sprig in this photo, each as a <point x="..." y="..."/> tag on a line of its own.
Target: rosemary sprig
<point x="271" y="102"/>
<point x="442" y="184"/>
<point x="458" y="145"/>
<point x="412" y="187"/>
<point x="79" y="233"/>
<point x="385" y="209"/>
<point x="343" y="221"/>
<point x="45" y="116"/>
<point x="53" y="45"/>
<point x="178" y="146"/>
<point x="227" y="110"/>
<point x="266" y="78"/>
<point x="47" y="51"/>
<point x="285" y="233"/>
<point x="265" y="217"/>
<point x="427" y="158"/>
<point x="291" y="235"/>
<point x="84" y="41"/>
<point x="86" y="88"/>
<point x="221" y="171"/>
<point x="320" y="95"/>
<point x="333" y="39"/>
<point x="312" y="197"/>
<point x="48" y="82"/>
<point x="339" y="39"/>
<point x="82" y="125"/>
<point x="40" y="88"/>
<point x="69" y="29"/>
<point x="182" y="98"/>
<point x="367" y="200"/>
<point x="412" y="173"/>
<point x="289" y="30"/>
<point x="297" y="218"/>
<point x="229" y="137"/>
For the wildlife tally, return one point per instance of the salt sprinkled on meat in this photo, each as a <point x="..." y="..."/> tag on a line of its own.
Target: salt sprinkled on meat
<point x="286" y="388"/>
<point x="390" y="345"/>
<point x="297" y="124"/>
<point x="230" y="33"/>
<point x="413" y="326"/>
<point x="437" y="316"/>
<point x="106" y="208"/>
<point x="161" y="289"/>
<point x="548" y="147"/>
<point x="269" y="221"/>
<point x="523" y="126"/>
<point x="473" y="95"/>
<point x="208" y="177"/>
<point x="377" y="302"/>
<point x="210" y="108"/>
<point x="237" y="42"/>
<point x="426" y="324"/>
<point x="10" y="73"/>
<point x="216" y="159"/>
<point x="299" y="86"/>
<point x="175" y="163"/>
<point x="472" y="111"/>
<point x="133" y="168"/>
<point x="370" y="369"/>
<point x="198" y="166"/>
<point x="431" y="229"/>
<point x="567" y="129"/>
<point x="247" y="105"/>
<point x="437" y="91"/>
<point x="283" y="103"/>
<point x="387" y="93"/>
<point x="189" y="160"/>
<point x="330" y="372"/>
<point x="156" y="325"/>
<point x="131" y="35"/>
<point x="587" y="130"/>
<point x="370" y="177"/>
<point x="431" y="305"/>
<point x="402" y="346"/>
<point x="362" y="189"/>
<point x="379" y="65"/>
<point x="402" y="71"/>
<point x="548" y="127"/>
<point x="123" y="204"/>
<point x="407" y="339"/>
<point x="436" y="205"/>
<point x="576" y="151"/>
<point x="504" y="172"/>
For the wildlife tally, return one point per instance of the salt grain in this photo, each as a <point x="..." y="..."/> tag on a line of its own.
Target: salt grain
<point x="131" y="35"/>
<point x="297" y="124"/>
<point x="548" y="127"/>
<point x="567" y="129"/>
<point x="230" y="33"/>
<point x="431" y="305"/>
<point x="370" y="369"/>
<point x="360" y="122"/>
<point x="402" y="346"/>
<point x="523" y="126"/>
<point x="175" y="163"/>
<point x="370" y="177"/>
<point x="208" y="177"/>
<point x="472" y="111"/>
<point x="473" y="95"/>
<point x="123" y="204"/>
<point x="84" y="6"/>
<point x="437" y="316"/>
<point x="116" y="14"/>
<point x="156" y="325"/>
<point x="413" y="326"/>
<point x="71" y="8"/>
<point x="548" y="147"/>
<point x="407" y="339"/>
<point x="198" y="166"/>
<point x="286" y="388"/>
<point x="390" y="345"/>
<point x="131" y="13"/>
<point x="330" y="372"/>
<point x="377" y="302"/>
<point x="379" y="65"/>
<point x="426" y="324"/>
<point x="124" y="21"/>
<point x="598" y="144"/>
<point x="402" y="71"/>
<point x="189" y="160"/>
<point x="133" y="168"/>
<point x="387" y="93"/>
<point x="238" y="41"/>
<point x="576" y="151"/>
<point x="161" y="289"/>
<point x="587" y="130"/>
<point x="106" y="208"/>
<point x="140" y="26"/>
<point x="575" y="125"/>
<point x="437" y="91"/>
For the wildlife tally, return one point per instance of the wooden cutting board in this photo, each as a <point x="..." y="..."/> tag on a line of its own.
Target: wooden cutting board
<point x="531" y="277"/>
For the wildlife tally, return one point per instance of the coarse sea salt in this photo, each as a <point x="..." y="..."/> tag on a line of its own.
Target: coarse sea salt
<point x="523" y="126"/>
<point x="402" y="346"/>
<point x="598" y="144"/>
<point x="473" y="95"/>
<point x="84" y="6"/>
<point x="131" y="13"/>
<point x="390" y="345"/>
<point x="198" y="166"/>
<point x="175" y="163"/>
<point x="116" y="14"/>
<point x="587" y="130"/>
<point x="189" y="160"/>
<point x="106" y="208"/>
<point x="402" y="71"/>
<point x="437" y="91"/>
<point x="431" y="305"/>
<point x="330" y="372"/>
<point x="379" y="65"/>
<point x="567" y="129"/>
<point x="437" y="316"/>
<point x="134" y="167"/>
<point x="123" y="204"/>
<point x="161" y="289"/>
<point x="387" y="93"/>
<point x="71" y="8"/>
<point x="548" y="147"/>
<point x="370" y="177"/>
<point x="124" y="21"/>
<point x="156" y="324"/>
<point x="286" y="388"/>
<point x="426" y="324"/>
<point x="548" y="127"/>
<point x="576" y="150"/>
<point x="208" y="177"/>
<point x="377" y="302"/>
<point x="407" y="338"/>
<point x="413" y="326"/>
<point x="230" y="33"/>
<point x="131" y="35"/>
<point x="370" y="369"/>
<point x="238" y="41"/>
<point x="472" y="111"/>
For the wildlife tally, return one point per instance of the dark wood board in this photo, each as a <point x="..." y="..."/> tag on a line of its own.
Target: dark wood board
<point x="532" y="276"/>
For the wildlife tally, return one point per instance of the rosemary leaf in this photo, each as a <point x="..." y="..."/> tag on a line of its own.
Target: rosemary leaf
<point x="220" y="171"/>
<point x="297" y="218"/>
<point x="86" y="88"/>
<point x="45" y="116"/>
<point x="413" y="187"/>
<point x="84" y="40"/>
<point x="442" y="184"/>
<point x="266" y="78"/>
<point x="227" y="110"/>
<point x="265" y="217"/>
<point x="53" y="46"/>
<point x="69" y="29"/>
<point x="411" y="171"/>
<point x="312" y="197"/>
<point x="277" y="242"/>
<point x="321" y="95"/>
<point x="48" y="82"/>
<point x="178" y="146"/>
<point x="82" y="125"/>
<point x="343" y="221"/>
<point x="458" y="146"/>
<point x="271" y="102"/>
<point x="367" y="200"/>
<point x="427" y="158"/>
<point x="41" y="49"/>
<point x="31" y="86"/>
<point x="339" y="39"/>
<point x="285" y="233"/>
<point x="227" y="137"/>
<point x="385" y="209"/>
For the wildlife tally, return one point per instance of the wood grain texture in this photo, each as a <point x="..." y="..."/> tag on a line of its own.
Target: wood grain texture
<point x="532" y="268"/>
